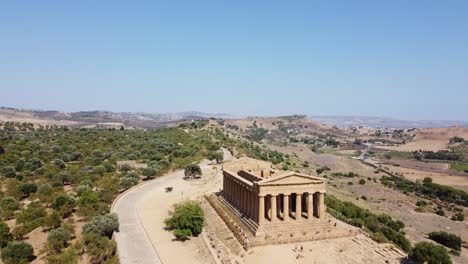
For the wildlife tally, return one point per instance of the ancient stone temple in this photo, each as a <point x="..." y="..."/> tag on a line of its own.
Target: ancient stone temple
<point x="273" y="201"/>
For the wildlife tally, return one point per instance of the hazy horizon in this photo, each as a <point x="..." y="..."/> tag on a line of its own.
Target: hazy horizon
<point x="398" y="59"/>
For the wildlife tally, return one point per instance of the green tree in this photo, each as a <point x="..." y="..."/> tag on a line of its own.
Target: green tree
<point x="68" y="256"/>
<point x="64" y="204"/>
<point x="128" y="182"/>
<point x="17" y="253"/>
<point x="53" y="220"/>
<point x="57" y="239"/>
<point x="186" y="220"/>
<point x="192" y="171"/>
<point x="5" y="235"/>
<point x="8" y="205"/>
<point x="104" y="225"/>
<point x="45" y="192"/>
<point x="88" y="203"/>
<point x="149" y="172"/>
<point x="425" y="252"/>
<point x="100" y="248"/>
<point x="28" y="188"/>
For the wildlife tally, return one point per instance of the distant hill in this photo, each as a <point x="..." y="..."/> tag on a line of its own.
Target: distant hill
<point x="101" y="118"/>
<point x="384" y="122"/>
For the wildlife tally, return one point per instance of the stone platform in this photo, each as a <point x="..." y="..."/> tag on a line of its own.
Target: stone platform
<point x="250" y="234"/>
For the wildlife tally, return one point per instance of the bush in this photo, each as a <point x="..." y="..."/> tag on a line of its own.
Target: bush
<point x="458" y="217"/>
<point x="45" y="192"/>
<point x="88" y="203"/>
<point x="446" y="239"/>
<point x="69" y="256"/>
<point x="362" y="181"/>
<point x="425" y="252"/>
<point x="5" y="235"/>
<point x="440" y="212"/>
<point x="57" y="239"/>
<point x="9" y="171"/>
<point x="149" y="172"/>
<point x="128" y="182"/>
<point x="192" y="171"/>
<point x="421" y="203"/>
<point x="64" y="204"/>
<point x="186" y="220"/>
<point x="28" y="188"/>
<point x="17" y="252"/>
<point x="52" y="220"/>
<point x="103" y="225"/>
<point x="8" y="205"/>
<point x="32" y="215"/>
<point x="101" y="248"/>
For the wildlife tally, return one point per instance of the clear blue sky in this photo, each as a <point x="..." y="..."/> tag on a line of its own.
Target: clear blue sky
<point x="403" y="59"/>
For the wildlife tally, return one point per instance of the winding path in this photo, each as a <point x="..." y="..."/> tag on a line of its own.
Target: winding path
<point x="133" y="244"/>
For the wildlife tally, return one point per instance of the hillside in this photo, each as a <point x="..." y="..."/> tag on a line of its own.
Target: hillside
<point x="100" y="118"/>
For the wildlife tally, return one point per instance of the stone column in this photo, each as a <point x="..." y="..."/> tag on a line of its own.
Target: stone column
<point x="274" y="214"/>
<point x="261" y="209"/>
<point x="310" y="207"/>
<point x="242" y="198"/>
<point x="298" y="206"/>
<point x="286" y="207"/>
<point x="321" y="205"/>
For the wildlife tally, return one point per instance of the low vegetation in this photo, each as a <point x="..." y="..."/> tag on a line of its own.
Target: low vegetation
<point x="186" y="220"/>
<point x="51" y="175"/>
<point x="425" y="252"/>
<point x="382" y="228"/>
<point x="427" y="189"/>
<point x="449" y="240"/>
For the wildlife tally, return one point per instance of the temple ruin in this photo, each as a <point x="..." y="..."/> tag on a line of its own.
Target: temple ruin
<point x="272" y="199"/>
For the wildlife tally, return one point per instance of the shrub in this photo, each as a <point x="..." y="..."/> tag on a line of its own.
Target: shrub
<point x="186" y="220"/>
<point x="45" y="192"/>
<point x="128" y="182"/>
<point x="458" y="217"/>
<point x="8" y="205"/>
<point x="5" y="235"/>
<point x="192" y="170"/>
<point x="17" y="252"/>
<point x="104" y="225"/>
<point x="427" y="180"/>
<point x="52" y="220"/>
<point x="421" y="203"/>
<point x="100" y="248"/>
<point x="149" y="172"/>
<point x="57" y="239"/>
<point x="88" y="203"/>
<point x="28" y="188"/>
<point x="9" y="171"/>
<point x="446" y="239"/>
<point x="60" y="164"/>
<point x="362" y="181"/>
<point x="440" y="212"/>
<point x="425" y="252"/>
<point x="64" y="204"/>
<point x="32" y="215"/>
<point x="69" y="256"/>
<point x="215" y="155"/>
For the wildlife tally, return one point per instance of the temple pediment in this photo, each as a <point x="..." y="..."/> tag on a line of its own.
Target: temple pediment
<point x="291" y="179"/>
